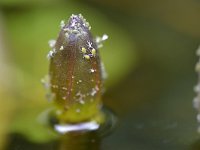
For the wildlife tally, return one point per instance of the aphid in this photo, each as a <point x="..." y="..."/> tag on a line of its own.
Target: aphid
<point x="99" y="40"/>
<point x="50" y="54"/>
<point x="52" y="43"/>
<point x="64" y="88"/>
<point x="87" y="57"/>
<point x="83" y="49"/>
<point x="89" y="44"/>
<point x="61" y="48"/>
<point x="67" y="35"/>
<point x="82" y="102"/>
<point x="93" y="92"/>
<point x="55" y="86"/>
<point x="66" y="29"/>
<point x="64" y="97"/>
<point x="62" y="23"/>
<point x="104" y="37"/>
<point x="93" y="52"/>
<point x="92" y="70"/>
<point x="75" y="31"/>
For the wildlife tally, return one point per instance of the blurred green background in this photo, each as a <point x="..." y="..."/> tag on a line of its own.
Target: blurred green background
<point x="149" y="58"/>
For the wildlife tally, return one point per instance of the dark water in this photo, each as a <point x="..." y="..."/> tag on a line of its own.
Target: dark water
<point x="167" y="124"/>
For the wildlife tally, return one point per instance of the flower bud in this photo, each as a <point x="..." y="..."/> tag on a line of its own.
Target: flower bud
<point x="75" y="72"/>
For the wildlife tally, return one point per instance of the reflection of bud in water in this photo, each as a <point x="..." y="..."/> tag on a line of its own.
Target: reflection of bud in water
<point x="75" y="71"/>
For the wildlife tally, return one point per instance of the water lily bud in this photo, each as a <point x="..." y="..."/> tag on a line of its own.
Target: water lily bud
<point x="75" y="72"/>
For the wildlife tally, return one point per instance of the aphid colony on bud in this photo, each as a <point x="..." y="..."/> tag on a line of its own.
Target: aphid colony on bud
<point x="76" y="73"/>
<point x="89" y="52"/>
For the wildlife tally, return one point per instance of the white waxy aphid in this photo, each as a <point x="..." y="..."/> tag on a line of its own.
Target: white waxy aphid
<point x="50" y="55"/>
<point x="80" y="81"/>
<point x="62" y="23"/>
<point x="55" y="86"/>
<point x="75" y="31"/>
<point x="80" y="16"/>
<point x="89" y="44"/>
<point x="97" y="88"/>
<point x="66" y="29"/>
<point x="78" y="94"/>
<point x="52" y="43"/>
<point x="73" y="22"/>
<point x="64" y="88"/>
<point x="93" y="92"/>
<point x="67" y="35"/>
<point x="61" y="48"/>
<point x="99" y="40"/>
<point x="104" y="37"/>
<point x="64" y="97"/>
<point x="78" y="25"/>
<point x="82" y="102"/>
<point x="92" y="70"/>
